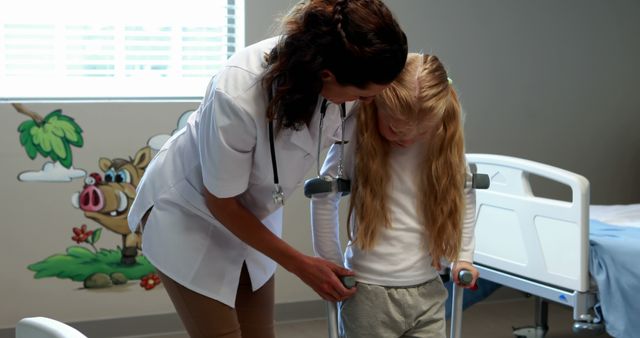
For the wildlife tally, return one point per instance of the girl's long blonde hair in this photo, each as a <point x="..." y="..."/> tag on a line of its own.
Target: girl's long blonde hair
<point x="420" y="100"/>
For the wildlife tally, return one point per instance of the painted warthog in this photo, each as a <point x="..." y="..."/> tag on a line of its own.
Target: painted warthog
<point x="106" y="199"/>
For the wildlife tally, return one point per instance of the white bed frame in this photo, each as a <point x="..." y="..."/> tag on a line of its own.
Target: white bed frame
<point x="534" y="244"/>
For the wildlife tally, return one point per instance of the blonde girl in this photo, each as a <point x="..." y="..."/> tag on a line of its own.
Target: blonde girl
<point x="409" y="208"/>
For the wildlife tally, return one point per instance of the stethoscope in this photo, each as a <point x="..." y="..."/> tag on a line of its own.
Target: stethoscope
<point x="319" y="184"/>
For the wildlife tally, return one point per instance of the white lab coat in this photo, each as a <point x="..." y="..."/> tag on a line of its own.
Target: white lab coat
<point x="225" y="149"/>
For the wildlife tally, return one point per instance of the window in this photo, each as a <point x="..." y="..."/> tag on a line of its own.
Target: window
<point x="116" y="49"/>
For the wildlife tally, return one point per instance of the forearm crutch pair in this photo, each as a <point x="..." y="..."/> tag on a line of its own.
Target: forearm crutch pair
<point x="474" y="181"/>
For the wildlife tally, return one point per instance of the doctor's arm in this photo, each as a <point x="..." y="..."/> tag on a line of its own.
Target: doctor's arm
<point x="316" y="272"/>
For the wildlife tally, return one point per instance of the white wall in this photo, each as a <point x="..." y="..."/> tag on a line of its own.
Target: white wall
<point x="552" y="81"/>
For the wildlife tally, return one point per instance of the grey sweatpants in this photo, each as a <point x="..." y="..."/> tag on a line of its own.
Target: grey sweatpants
<point x="389" y="312"/>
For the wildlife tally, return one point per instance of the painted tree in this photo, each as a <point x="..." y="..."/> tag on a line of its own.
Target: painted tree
<point x="51" y="136"/>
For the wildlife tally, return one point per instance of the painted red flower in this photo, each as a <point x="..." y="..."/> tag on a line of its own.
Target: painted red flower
<point x="150" y="281"/>
<point x="81" y="234"/>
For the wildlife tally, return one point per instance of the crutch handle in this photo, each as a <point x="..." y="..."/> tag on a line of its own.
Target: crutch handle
<point x="348" y="281"/>
<point x="465" y="277"/>
<point x="477" y="181"/>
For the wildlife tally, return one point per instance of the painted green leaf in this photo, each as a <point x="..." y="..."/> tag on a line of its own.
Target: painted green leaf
<point x="52" y="138"/>
<point x="73" y="134"/>
<point x="57" y="145"/>
<point x="31" y="150"/>
<point x="95" y="236"/>
<point x="26" y="126"/>
<point x="36" y="135"/>
<point x="26" y="139"/>
<point x="55" y="128"/>
<point x="45" y="144"/>
<point x="72" y="131"/>
<point x="66" y="162"/>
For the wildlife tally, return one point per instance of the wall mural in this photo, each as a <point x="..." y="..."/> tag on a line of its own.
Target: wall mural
<point x="50" y="137"/>
<point x="104" y="198"/>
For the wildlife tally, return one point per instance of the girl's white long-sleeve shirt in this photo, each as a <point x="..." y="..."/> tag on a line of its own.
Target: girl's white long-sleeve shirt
<point x="400" y="256"/>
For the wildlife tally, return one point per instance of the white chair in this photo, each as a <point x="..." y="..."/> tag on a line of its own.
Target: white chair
<point x="41" y="327"/>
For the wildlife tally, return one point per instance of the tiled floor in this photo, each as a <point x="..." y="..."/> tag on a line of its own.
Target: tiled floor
<point x="495" y="317"/>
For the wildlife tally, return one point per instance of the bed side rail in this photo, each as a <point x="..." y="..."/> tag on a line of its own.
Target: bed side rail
<point x="542" y="239"/>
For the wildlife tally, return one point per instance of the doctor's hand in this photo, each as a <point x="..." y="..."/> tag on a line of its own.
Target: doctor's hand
<point x="463" y="265"/>
<point x="323" y="277"/>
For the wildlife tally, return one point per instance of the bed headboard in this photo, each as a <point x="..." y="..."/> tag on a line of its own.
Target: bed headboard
<point x="539" y="238"/>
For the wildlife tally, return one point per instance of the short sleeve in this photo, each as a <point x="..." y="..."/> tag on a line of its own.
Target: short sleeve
<point x="226" y="141"/>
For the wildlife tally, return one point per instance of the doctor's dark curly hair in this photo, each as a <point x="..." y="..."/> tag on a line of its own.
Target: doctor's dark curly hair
<point x="359" y="41"/>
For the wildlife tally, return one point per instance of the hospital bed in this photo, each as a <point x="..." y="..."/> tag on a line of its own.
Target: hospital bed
<point x="552" y="248"/>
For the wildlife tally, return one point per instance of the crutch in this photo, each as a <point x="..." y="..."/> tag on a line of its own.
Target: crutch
<point x="475" y="181"/>
<point x="465" y="277"/>
<point x="332" y="309"/>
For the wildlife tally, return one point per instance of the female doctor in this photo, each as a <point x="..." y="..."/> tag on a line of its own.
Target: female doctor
<point x="210" y="202"/>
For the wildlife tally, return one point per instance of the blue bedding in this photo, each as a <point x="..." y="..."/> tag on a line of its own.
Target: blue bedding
<point x="614" y="264"/>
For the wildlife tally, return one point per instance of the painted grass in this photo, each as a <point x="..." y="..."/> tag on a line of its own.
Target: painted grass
<point x="79" y="263"/>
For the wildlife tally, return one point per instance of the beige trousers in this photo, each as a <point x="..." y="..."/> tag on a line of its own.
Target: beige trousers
<point x="390" y="312"/>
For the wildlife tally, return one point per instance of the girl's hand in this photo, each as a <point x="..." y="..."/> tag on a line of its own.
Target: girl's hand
<point x="323" y="277"/>
<point x="463" y="265"/>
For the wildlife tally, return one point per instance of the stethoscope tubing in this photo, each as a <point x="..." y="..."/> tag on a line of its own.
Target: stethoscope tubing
<point x="278" y="193"/>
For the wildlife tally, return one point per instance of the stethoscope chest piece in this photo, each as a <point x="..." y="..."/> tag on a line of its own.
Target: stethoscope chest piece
<point x="278" y="195"/>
